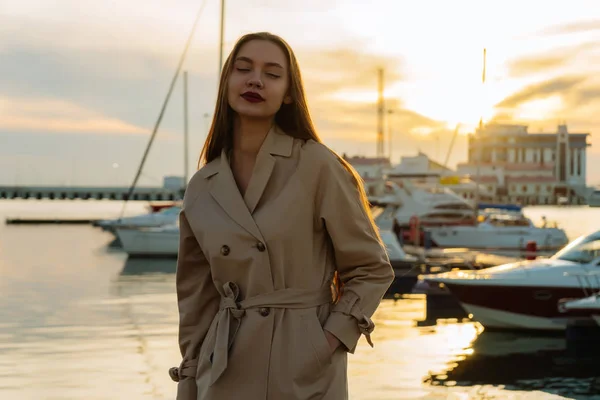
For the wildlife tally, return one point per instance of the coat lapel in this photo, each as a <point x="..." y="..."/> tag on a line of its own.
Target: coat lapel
<point x="263" y="168"/>
<point x="276" y="143"/>
<point x="223" y="189"/>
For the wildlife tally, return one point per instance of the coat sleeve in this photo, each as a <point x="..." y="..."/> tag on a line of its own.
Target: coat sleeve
<point x="198" y="303"/>
<point x="360" y="256"/>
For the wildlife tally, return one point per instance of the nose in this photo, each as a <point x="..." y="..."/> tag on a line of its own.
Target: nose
<point x="255" y="81"/>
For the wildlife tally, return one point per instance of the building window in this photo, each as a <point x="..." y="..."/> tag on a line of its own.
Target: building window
<point x="537" y="188"/>
<point x="549" y="189"/>
<point x="513" y="188"/>
<point x="562" y="167"/>
<point x="579" y="162"/>
<point x="571" y="162"/>
<point x="524" y="188"/>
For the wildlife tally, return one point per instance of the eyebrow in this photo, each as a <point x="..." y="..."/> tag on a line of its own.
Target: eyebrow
<point x="269" y="64"/>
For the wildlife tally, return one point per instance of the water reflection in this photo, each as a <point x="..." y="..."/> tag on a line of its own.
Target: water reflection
<point x="80" y="320"/>
<point x="142" y="266"/>
<point x="442" y="307"/>
<point x="518" y="362"/>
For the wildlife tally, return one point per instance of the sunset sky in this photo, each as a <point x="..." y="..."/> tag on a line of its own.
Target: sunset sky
<point x="82" y="82"/>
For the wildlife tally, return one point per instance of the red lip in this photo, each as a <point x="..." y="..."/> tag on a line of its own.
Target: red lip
<point x="253" y="97"/>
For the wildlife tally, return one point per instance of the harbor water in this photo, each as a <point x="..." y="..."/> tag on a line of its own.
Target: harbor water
<point x="79" y="320"/>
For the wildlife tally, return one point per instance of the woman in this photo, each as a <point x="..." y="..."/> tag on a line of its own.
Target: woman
<point x="266" y="224"/>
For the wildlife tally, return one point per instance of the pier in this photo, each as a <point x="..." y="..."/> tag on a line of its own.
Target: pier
<point x="89" y="193"/>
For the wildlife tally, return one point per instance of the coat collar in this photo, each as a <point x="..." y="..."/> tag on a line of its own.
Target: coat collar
<point x="224" y="190"/>
<point x="276" y="143"/>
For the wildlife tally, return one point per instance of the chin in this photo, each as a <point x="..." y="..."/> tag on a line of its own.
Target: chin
<point x="253" y="112"/>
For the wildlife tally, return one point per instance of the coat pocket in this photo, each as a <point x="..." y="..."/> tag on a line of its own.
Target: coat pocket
<point x="316" y="336"/>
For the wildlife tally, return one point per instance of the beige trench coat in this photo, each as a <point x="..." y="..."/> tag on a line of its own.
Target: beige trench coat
<point x="254" y="275"/>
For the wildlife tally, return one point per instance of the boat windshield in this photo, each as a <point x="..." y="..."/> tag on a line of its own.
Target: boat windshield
<point x="582" y="250"/>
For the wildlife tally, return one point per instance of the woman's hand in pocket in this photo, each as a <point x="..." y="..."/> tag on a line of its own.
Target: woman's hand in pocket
<point x="333" y="341"/>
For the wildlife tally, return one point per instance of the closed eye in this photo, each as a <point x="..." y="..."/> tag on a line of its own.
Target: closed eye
<point x="274" y="75"/>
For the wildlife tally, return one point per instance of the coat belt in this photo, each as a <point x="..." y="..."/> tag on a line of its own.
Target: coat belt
<point x="232" y="311"/>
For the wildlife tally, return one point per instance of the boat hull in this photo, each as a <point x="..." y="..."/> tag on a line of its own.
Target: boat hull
<point x="516" y="307"/>
<point x="147" y="243"/>
<point x="501" y="239"/>
<point x="493" y="319"/>
<point x="405" y="277"/>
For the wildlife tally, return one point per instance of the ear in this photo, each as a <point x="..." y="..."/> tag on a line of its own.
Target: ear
<point x="287" y="100"/>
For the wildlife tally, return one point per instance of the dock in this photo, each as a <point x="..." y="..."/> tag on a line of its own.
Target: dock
<point x="49" y="221"/>
<point x="476" y="258"/>
<point x="90" y="193"/>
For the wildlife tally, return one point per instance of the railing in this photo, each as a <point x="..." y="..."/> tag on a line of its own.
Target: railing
<point x="586" y="282"/>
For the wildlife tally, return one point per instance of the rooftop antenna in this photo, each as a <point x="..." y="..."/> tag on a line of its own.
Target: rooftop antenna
<point x="483" y="83"/>
<point x="477" y="141"/>
<point x="380" y="115"/>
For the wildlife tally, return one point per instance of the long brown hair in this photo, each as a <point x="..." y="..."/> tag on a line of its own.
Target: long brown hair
<point x="294" y="118"/>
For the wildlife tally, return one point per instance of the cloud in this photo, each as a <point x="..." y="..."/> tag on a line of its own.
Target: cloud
<point x="541" y="90"/>
<point x="569" y="100"/>
<point x="358" y="120"/>
<point x="351" y="127"/>
<point x="552" y="60"/>
<point x="329" y="71"/>
<point x="574" y="27"/>
<point x="131" y="86"/>
<point x="104" y="91"/>
<point x="584" y="96"/>
<point x="533" y="65"/>
<point x="54" y="115"/>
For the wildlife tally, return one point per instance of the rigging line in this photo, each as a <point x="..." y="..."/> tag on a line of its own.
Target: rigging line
<point x="164" y="107"/>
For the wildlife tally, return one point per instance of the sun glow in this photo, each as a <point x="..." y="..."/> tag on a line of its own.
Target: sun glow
<point x="540" y="108"/>
<point x="355" y="96"/>
<point x="422" y="130"/>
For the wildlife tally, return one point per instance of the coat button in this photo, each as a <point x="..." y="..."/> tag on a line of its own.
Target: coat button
<point x="261" y="246"/>
<point x="264" y="311"/>
<point x="225" y="250"/>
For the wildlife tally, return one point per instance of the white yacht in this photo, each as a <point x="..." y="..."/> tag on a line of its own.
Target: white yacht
<point x="451" y="222"/>
<point x="160" y="241"/>
<point x="165" y="216"/>
<point x="527" y="294"/>
<point x="422" y="170"/>
<point x="163" y="241"/>
<point x="433" y="206"/>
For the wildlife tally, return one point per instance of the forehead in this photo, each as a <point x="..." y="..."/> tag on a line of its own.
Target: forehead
<point x="263" y="52"/>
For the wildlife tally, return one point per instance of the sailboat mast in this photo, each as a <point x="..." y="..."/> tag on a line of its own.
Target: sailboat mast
<point x="221" y="39"/>
<point x="162" y="111"/>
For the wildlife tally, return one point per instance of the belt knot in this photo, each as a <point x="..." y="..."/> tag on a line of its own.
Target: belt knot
<point x="232" y="311"/>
